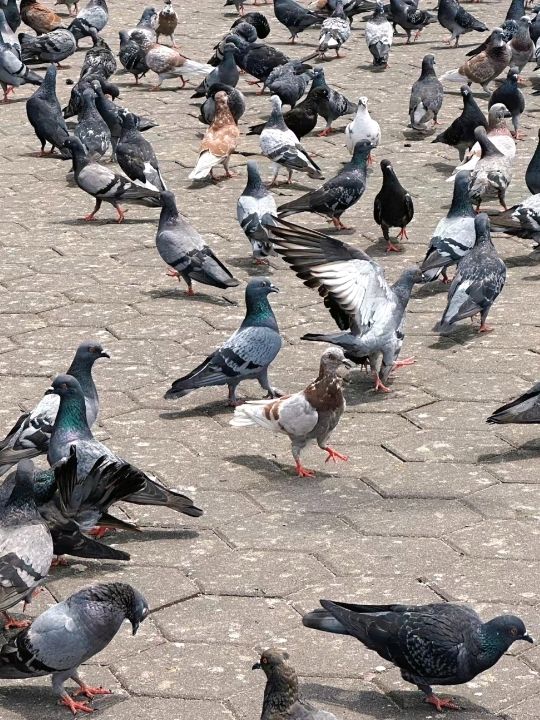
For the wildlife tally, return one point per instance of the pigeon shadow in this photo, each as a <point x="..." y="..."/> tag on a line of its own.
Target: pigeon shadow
<point x="102" y="222"/>
<point x="276" y="470"/>
<point x="149" y="534"/>
<point x="177" y="293"/>
<point x="430" y="289"/>
<point x="443" y="168"/>
<point x="24" y="699"/>
<point x="249" y="266"/>
<point x="211" y="409"/>
<point x="532" y="258"/>
<point x="418" y="135"/>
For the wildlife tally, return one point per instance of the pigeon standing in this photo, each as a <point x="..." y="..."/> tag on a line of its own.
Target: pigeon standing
<point x="39" y="17"/>
<point x="45" y="115"/>
<point x="362" y="129"/>
<point x="295" y="17"/>
<point x="146" y="24"/>
<point x="167" y="22"/>
<point x="523" y="410"/>
<point x="236" y="101"/>
<point x="226" y="72"/>
<point x="95" y="14"/>
<point x="521" y="45"/>
<point x="255" y="210"/>
<point x="288" y="85"/>
<point x="219" y="142"/>
<point x="332" y="107"/>
<point x="492" y="173"/>
<point x="511" y="97"/>
<point x="479" y="280"/>
<point x="335" y="31"/>
<point x="185" y="252"/>
<point x="13" y="72"/>
<point x="427" y="96"/>
<point x="457" y="20"/>
<point x="532" y="174"/>
<point x="460" y="134"/>
<point x="70" y="633"/>
<point x="52" y="47"/>
<point x="436" y="644"/>
<point x="409" y="17"/>
<point x="484" y="67"/>
<point x="393" y="206"/>
<point x="99" y="60"/>
<point x="379" y="36"/>
<point x="311" y="414"/>
<point x="246" y="355"/>
<point x="132" y="56"/>
<point x="137" y="158"/>
<point x="92" y="130"/>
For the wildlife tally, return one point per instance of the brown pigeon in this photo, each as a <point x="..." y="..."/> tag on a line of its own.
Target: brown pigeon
<point x="484" y="67"/>
<point x="39" y="17"/>
<point x="218" y="143"/>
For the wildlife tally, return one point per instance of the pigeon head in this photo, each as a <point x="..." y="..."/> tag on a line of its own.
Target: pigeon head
<point x="89" y="351"/>
<point x="386" y="167"/>
<point x="497" y="113"/>
<point x="501" y="632"/>
<point x="379" y="9"/>
<point x="497" y="37"/>
<point x="276" y="103"/>
<point x="76" y="147"/>
<point x="168" y="204"/>
<point x="246" y="31"/>
<point x="129" y="121"/>
<point x="259" y="287"/>
<point x="332" y="360"/>
<point x="221" y="99"/>
<point x="148" y="15"/>
<point x="363" y="102"/>
<point x="271" y="660"/>
<point x="66" y="386"/>
<point x="254" y="176"/>
<point x="513" y="75"/>
<point x="22" y="493"/>
<point x="362" y="150"/>
<point x="466" y="92"/>
<point x="319" y="93"/>
<point x="118" y="597"/>
<point x="229" y="48"/>
<point x="428" y="65"/>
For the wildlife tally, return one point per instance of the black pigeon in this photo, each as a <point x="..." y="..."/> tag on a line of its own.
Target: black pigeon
<point x="132" y="56"/>
<point x="92" y="129"/>
<point x="337" y="194"/>
<point x="479" y="279"/>
<point x="99" y="60"/>
<point x="523" y="410"/>
<point x="236" y="101"/>
<point x="511" y="96"/>
<point x="137" y="158"/>
<point x="238" y="35"/>
<point x="532" y="175"/>
<point x="74" y="106"/>
<point x="53" y="46"/>
<point x="534" y="29"/>
<point x="301" y="119"/>
<point x="457" y="20"/>
<point x="257" y="59"/>
<point x="436" y="644"/>
<point x="393" y="206"/>
<point x="409" y="17"/>
<point x="225" y="73"/>
<point x="13" y="16"/>
<point x="81" y="28"/>
<point x="460" y="134"/>
<point x="332" y="107"/>
<point x="427" y="96"/>
<point x="45" y="115"/>
<point x="295" y="17"/>
<point x="257" y="20"/>
<point x="516" y="10"/>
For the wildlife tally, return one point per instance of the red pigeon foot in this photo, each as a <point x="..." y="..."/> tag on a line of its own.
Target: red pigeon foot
<point x="11" y="624"/>
<point x="334" y="455"/>
<point x="390" y="247"/>
<point x="59" y="561"/>
<point x="301" y="471"/>
<point x="441" y="703"/>
<point x="403" y="363"/>
<point x="325" y="132"/>
<point x="74" y="705"/>
<point x="99" y="531"/>
<point x="91" y="692"/>
<point x="403" y="234"/>
<point x="485" y="328"/>
<point x="379" y="385"/>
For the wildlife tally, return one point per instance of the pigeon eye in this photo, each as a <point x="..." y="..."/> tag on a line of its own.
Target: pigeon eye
<point x="264" y="660"/>
<point x="513" y="631"/>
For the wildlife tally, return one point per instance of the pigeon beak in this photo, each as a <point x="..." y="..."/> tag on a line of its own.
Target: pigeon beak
<point x="274" y="288"/>
<point x="256" y="666"/>
<point x="135" y="626"/>
<point x="508" y="114"/>
<point x="49" y="391"/>
<point x="105" y="354"/>
<point x="528" y="638"/>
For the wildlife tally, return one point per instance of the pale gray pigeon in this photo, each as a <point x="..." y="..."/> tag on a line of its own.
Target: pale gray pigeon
<point x="255" y="209"/>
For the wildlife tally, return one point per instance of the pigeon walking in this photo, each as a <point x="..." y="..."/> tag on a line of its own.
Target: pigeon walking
<point x="427" y="96"/>
<point x="332" y="107"/>
<point x="132" y="56"/>
<point x="70" y="633"/>
<point x="255" y="210"/>
<point x="393" y="206"/>
<point x="484" y="67"/>
<point x="13" y="72"/>
<point x="92" y="130"/>
<point x="246" y="355"/>
<point x="460" y="134"/>
<point x="99" y="60"/>
<point x="312" y="414"/>
<point x="509" y="95"/>
<point x="362" y="129"/>
<point x="523" y="410"/>
<point x="436" y="644"/>
<point x="167" y="62"/>
<point x="52" y="47"/>
<point x="136" y="156"/>
<point x="335" y="31"/>
<point x="521" y="45"/>
<point x="295" y="17"/>
<point x="454" y="18"/>
<point x="45" y="115"/>
<point x="492" y="173"/>
<point x="146" y="24"/>
<point x="409" y="17"/>
<point x="379" y="36"/>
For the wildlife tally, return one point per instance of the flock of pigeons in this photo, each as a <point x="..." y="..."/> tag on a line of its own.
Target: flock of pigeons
<point x="65" y="509"/>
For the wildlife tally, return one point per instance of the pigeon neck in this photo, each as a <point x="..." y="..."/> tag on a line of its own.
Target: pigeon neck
<point x="223" y="117"/>
<point x="255" y="186"/>
<point x="81" y="370"/>
<point x="493" y="646"/>
<point x="461" y="203"/>
<point x="403" y="287"/>
<point x="488" y="148"/>
<point x="44" y="486"/>
<point x="71" y="418"/>
<point x="358" y="162"/>
<point x="259" y="313"/>
<point x="319" y="81"/>
<point x="339" y="12"/>
<point x="325" y="393"/>
<point x="22" y="498"/>
<point x="280" y="693"/>
<point x="79" y="159"/>
<point x="276" y="119"/>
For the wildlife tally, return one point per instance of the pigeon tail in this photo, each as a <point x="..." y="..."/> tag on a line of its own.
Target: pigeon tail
<point x="454" y="76"/>
<point x="206" y="162"/>
<point x="324" y="620"/>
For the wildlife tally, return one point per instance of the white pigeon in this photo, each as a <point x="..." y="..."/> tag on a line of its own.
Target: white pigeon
<point x="379" y="36"/>
<point x="363" y="128"/>
<point x="335" y="31"/>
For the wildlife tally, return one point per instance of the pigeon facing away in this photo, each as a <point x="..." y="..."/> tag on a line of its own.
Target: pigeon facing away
<point x="311" y="414"/>
<point x="167" y="22"/>
<point x="257" y="20"/>
<point x="460" y="134"/>
<point x="409" y="17"/>
<point x="393" y="206"/>
<point x="70" y="633"/>
<point x="13" y="72"/>
<point x="136" y="156"/>
<point x="479" y="280"/>
<point x="95" y="14"/>
<point x="92" y="130"/>
<point x="236" y="101"/>
<point x="132" y="56"/>
<point x="332" y="107"/>
<point x="99" y="60"/>
<point x="509" y="95"/>
<point x="454" y="235"/>
<point x="337" y="194"/>
<point x="492" y="173"/>
<point x="379" y="36"/>
<point x="186" y="253"/>
<point x="484" y="67"/>
<point x="427" y="96"/>
<point x="436" y="644"/>
<point x="105" y="185"/>
<point x="30" y="435"/>
<point x="53" y="47"/>
<point x="363" y="128"/>
<point x="522" y="220"/>
<point x="246" y="355"/>
<point x="295" y="17"/>
<point x="523" y="410"/>
<point x="26" y="548"/>
<point x="45" y="115"/>
<point x="281" y="697"/>
<point x="369" y="312"/>
<point x="335" y="31"/>
<point x="74" y="106"/>
<point x="219" y="142"/>
<point x="302" y="119"/>
<point x="457" y="20"/>
<point x="532" y="174"/>
<point x="39" y="17"/>
<point x="255" y="210"/>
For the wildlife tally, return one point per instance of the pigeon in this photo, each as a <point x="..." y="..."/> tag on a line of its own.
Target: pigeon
<point x="69" y="4"/>
<point x="257" y="59"/>
<point x="146" y="24"/>
<point x="238" y="4"/>
<point x="295" y="17"/>
<point x="255" y="210"/>
<point x="362" y="129"/>
<point x="39" y="17"/>
<point x="509" y="28"/>
<point x="350" y="7"/>
<point x="238" y="35"/>
<point x="301" y="119"/>
<point x="226" y="72"/>
<point x="26" y="548"/>
<point x="534" y="29"/>
<point x="81" y="28"/>
<point x="167" y="22"/>
<point x="521" y="45"/>
<point x="13" y="72"/>
<point x="335" y="31"/>
<point x="522" y="220"/>
<point x="105" y="185"/>
<point x="74" y="106"/>
<point x="523" y="410"/>
<point x="99" y="60"/>
<point x="410" y="18"/>
<point x="70" y="633"/>
<point x="369" y="312"/>
<point x="334" y="106"/>
<point x="509" y="95"/>
<point x="281" y="145"/>
<point x="454" y="18"/>
<point x="7" y="35"/>
<point x="92" y="130"/>
<point x="246" y="355"/>
<point x="484" y="67"/>
<point x="312" y="414"/>
<point x="479" y="280"/>
<point x="379" y="36"/>
<point x="219" y="142"/>
<point x="236" y="99"/>
<point x="492" y="174"/>
<point x="11" y="11"/>
<point x="393" y="206"/>
<point x="45" y="115"/>
<point x="167" y="62"/>
<point x="291" y="67"/>
<point x="289" y="86"/>
<point x="71" y="430"/>
<point x="516" y="10"/>
<point x="454" y="235"/>
<point x="137" y="158"/>
<point x="435" y="644"/>
<point x="95" y="14"/>
<point x="257" y="20"/>
<point x="498" y="134"/>
<point x="185" y="252"/>
<point x="132" y="56"/>
<point x="281" y="697"/>
<point x="427" y="96"/>
<point x="53" y="46"/>
<point x="29" y="437"/>
<point x="337" y="194"/>
<point x="532" y="174"/>
<point x="460" y="134"/>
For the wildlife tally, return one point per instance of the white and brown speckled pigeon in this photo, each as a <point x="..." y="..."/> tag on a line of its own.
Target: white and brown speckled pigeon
<point x="219" y="141"/>
<point x="311" y="414"/>
<point x="167" y="62"/>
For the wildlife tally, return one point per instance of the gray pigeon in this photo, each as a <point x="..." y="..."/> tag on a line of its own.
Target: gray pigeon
<point x="335" y="31"/>
<point x="379" y="36"/>
<point x="255" y="210"/>
<point x="225" y="73"/>
<point x="92" y="130"/>
<point x="13" y="72"/>
<point x="281" y="696"/>
<point x="369" y="312"/>
<point x="45" y="115"/>
<point x="74" y="105"/>
<point x="246" y="355"/>
<point x="132" y="56"/>
<point x="185" y="252"/>
<point x="454" y="235"/>
<point x="332" y="107"/>
<point x="406" y="14"/>
<point x="96" y="14"/>
<point x="436" y="644"/>
<point x="99" y="60"/>
<point x="295" y="17"/>
<point x="26" y="548"/>
<point x="11" y="11"/>
<point x="136" y="156"/>
<point x="523" y="410"/>
<point x="289" y="85"/>
<point x="146" y="24"/>
<point x="30" y="435"/>
<point x="71" y="430"/>
<point x="105" y="185"/>
<point x="479" y="280"/>
<point x="521" y="44"/>
<point x="53" y="47"/>
<point x="312" y="414"/>
<point x="7" y="35"/>
<point x="454" y="18"/>
<point x="427" y="96"/>
<point x="492" y="174"/>
<point x="237" y="103"/>
<point x="70" y="633"/>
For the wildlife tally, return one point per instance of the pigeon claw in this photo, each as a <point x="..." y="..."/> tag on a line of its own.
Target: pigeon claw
<point x="403" y="363"/>
<point x="59" y="561"/>
<point x="327" y="131"/>
<point x="334" y="455"/>
<point x="99" y="531"/>
<point x="301" y="471"/>
<point x="485" y="328"/>
<point x="11" y="624"/>
<point x="390" y="247"/>
<point x="441" y="703"/>
<point x="91" y="692"/>
<point x="403" y="234"/>
<point x="379" y="385"/>
<point x="74" y="705"/>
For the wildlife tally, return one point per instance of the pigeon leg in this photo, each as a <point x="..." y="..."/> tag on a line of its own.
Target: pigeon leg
<point x="232" y="400"/>
<point x="264" y="382"/>
<point x="301" y="471"/>
<point x="334" y="455"/>
<point x="484" y="328"/>
<point x="121" y="213"/>
<point x="11" y="624"/>
<point x="501" y="196"/>
<point x="403" y="234"/>
<point x="403" y="363"/>
<point x="441" y="703"/>
<point x="74" y="705"/>
<point x="390" y="247"/>
<point x="338" y="224"/>
<point x="254" y="82"/>
<point x="274" y="182"/>
<point x="59" y="561"/>
<point x="379" y="385"/>
<point x="92" y="215"/>
<point x="417" y="35"/>
<point x="327" y="131"/>
<point x="444" y="277"/>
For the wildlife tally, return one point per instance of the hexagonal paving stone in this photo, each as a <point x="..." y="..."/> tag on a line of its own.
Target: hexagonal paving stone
<point x="142" y="708"/>
<point x="452" y="446"/>
<point x="500" y="538"/>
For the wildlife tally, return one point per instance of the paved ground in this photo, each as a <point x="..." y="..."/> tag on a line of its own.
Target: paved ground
<point x="433" y="503"/>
